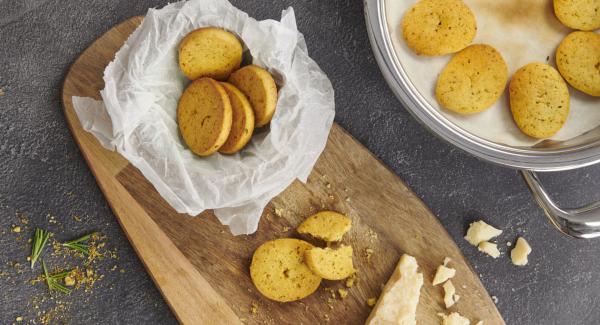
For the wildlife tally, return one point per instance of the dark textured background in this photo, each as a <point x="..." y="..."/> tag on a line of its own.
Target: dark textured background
<point x="42" y="170"/>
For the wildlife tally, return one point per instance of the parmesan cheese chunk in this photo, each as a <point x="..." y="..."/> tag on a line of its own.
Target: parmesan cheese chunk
<point x="398" y="302"/>
<point x="450" y="296"/>
<point x="454" y="319"/>
<point x="480" y="231"/>
<point x="518" y="255"/>
<point x="442" y="274"/>
<point x="489" y="248"/>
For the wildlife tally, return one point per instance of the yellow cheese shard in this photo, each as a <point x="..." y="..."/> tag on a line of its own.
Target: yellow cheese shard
<point x="450" y="297"/>
<point x="480" y="231"/>
<point x="489" y="248"/>
<point x="442" y="274"/>
<point x="518" y="255"/>
<point x="454" y="319"/>
<point x="400" y="297"/>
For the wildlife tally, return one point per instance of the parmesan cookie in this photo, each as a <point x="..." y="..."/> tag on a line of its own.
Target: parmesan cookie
<point x="330" y="264"/>
<point x="278" y="270"/>
<point x="258" y="85"/>
<point x="473" y="80"/>
<point x="242" y="124"/>
<point x="438" y="27"/>
<point x="204" y="116"/>
<point x="578" y="60"/>
<point x="539" y="100"/>
<point x="326" y="225"/>
<point x="578" y="14"/>
<point x="209" y="52"/>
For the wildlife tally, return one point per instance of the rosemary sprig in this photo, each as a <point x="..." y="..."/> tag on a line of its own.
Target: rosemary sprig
<point x="79" y="244"/>
<point x="39" y="241"/>
<point x="52" y="280"/>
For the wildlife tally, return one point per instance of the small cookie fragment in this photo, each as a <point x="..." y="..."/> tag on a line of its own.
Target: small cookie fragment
<point x="519" y="254"/>
<point x="489" y="248"/>
<point x="578" y="61"/>
<point x="278" y="270"/>
<point x="209" y="52"/>
<point x="204" y="116"/>
<point x="442" y="274"/>
<point x="329" y="226"/>
<point x="480" y="231"/>
<point x="329" y="263"/>
<point x="438" y="27"/>
<point x="578" y="14"/>
<point x="242" y="124"/>
<point x="450" y="296"/>
<point x="260" y="88"/>
<point x="454" y="319"/>
<point x="473" y="80"/>
<point x="539" y="100"/>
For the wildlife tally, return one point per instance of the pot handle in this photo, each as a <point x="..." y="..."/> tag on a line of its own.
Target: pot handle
<point x="581" y="222"/>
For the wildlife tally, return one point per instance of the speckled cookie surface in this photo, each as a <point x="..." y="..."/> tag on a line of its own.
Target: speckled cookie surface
<point x="260" y="88"/>
<point x="278" y="270"/>
<point x="329" y="226"/>
<point x="209" y="52"/>
<point x="329" y="263"/>
<point x="539" y="100"/>
<point x="473" y="80"/>
<point x="438" y="27"/>
<point x="578" y="14"/>
<point x="578" y="61"/>
<point x="204" y="116"/>
<point x="242" y="124"/>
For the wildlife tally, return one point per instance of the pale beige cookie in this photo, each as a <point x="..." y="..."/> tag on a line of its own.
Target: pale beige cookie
<point x="539" y="100"/>
<point x="438" y="27"/>
<point x="209" y="52"/>
<point x="329" y="226"/>
<point x="473" y="80"/>
<point x="329" y="263"/>
<point x="578" y="14"/>
<point x="242" y="124"/>
<point x="258" y="85"/>
<point x="578" y="60"/>
<point x="278" y="270"/>
<point x="204" y="116"/>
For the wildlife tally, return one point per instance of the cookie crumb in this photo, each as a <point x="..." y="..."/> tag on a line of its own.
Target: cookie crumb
<point x="279" y="212"/>
<point x="368" y="254"/>
<point x="254" y="308"/>
<point x="2" y="92"/>
<point x="328" y="185"/>
<point x="350" y="281"/>
<point x="343" y="293"/>
<point x="19" y="319"/>
<point x="285" y="229"/>
<point x="16" y="229"/>
<point x="371" y="302"/>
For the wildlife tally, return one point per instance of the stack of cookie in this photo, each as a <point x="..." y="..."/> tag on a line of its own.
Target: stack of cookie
<point x="476" y="76"/>
<point x="224" y="103"/>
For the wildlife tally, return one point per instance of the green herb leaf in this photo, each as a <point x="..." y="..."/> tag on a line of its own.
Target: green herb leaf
<point x="40" y="238"/>
<point x="79" y="244"/>
<point x="52" y="280"/>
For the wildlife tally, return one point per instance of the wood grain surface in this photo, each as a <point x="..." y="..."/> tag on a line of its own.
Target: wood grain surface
<point x="202" y="270"/>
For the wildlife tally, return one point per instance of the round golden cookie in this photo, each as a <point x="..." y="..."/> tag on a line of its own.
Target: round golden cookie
<point x="242" y="124"/>
<point x="539" y="100"/>
<point x="330" y="264"/>
<point x="438" y="27"/>
<point x="473" y="80"/>
<point x="278" y="270"/>
<point x="258" y="85"/>
<point x="209" y="52"/>
<point x="329" y="226"/>
<point x="204" y="116"/>
<point x="578" y="60"/>
<point x="578" y="14"/>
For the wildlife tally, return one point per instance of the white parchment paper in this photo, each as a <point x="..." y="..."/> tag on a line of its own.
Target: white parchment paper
<point x="523" y="31"/>
<point x="137" y="116"/>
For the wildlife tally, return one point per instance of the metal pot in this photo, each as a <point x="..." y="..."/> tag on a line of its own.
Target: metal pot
<point x="580" y="151"/>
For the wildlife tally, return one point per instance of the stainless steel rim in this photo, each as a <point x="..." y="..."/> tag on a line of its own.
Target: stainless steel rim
<point x="522" y="158"/>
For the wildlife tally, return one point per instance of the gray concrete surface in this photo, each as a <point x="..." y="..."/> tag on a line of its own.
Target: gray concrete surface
<point x="42" y="170"/>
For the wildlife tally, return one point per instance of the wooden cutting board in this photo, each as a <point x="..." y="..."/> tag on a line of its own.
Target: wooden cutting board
<point x="202" y="270"/>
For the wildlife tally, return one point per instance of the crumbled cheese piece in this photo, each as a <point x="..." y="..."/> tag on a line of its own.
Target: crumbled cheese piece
<point x="442" y="274"/>
<point x="447" y="260"/>
<point x="400" y="297"/>
<point x="454" y="319"/>
<point x="489" y="248"/>
<point x="371" y="302"/>
<point x="343" y="293"/>
<point x="279" y="212"/>
<point x="449" y="294"/>
<point x="480" y="231"/>
<point x="69" y="281"/>
<point x="519" y="254"/>
<point x="495" y="299"/>
<point x="350" y="281"/>
<point x="19" y="319"/>
<point x="508" y="244"/>
<point x="16" y="229"/>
